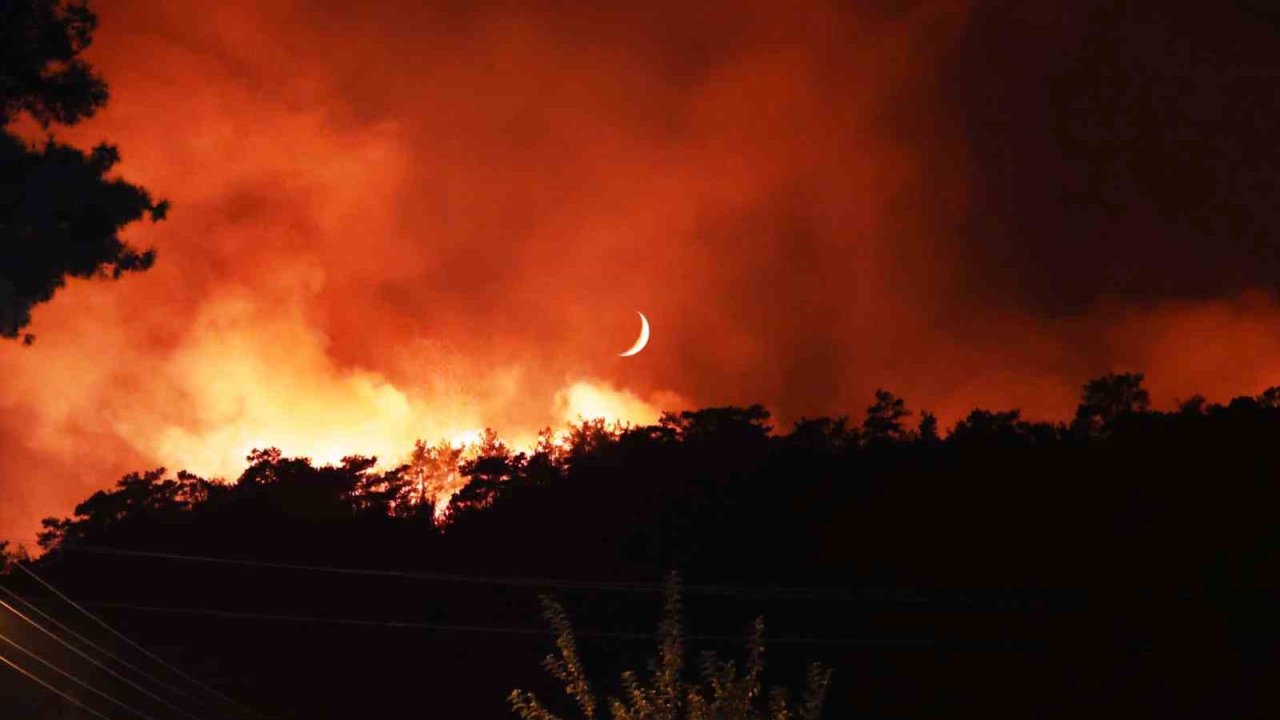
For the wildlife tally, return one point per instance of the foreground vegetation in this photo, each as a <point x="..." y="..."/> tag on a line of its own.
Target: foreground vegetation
<point x="724" y="693"/>
<point x="1116" y="562"/>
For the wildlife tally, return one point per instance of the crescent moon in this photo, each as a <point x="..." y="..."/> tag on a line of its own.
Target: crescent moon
<point x="640" y="341"/>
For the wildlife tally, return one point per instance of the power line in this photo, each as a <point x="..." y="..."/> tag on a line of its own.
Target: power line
<point x="414" y="575"/>
<point x="52" y="689"/>
<point x="25" y="603"/>
<point x="97" y="664"/>
<point x="886" y="643"/>
<point x="74" y="679"/>
<point x="776" y="592"/>
<point x="148" y="653"/>
<point x="392" y="624"/>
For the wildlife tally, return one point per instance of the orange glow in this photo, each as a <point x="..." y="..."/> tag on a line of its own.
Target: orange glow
<point x="465" y="438"/>
<point x="392" y="223"/>
<point x="587" y="401"/>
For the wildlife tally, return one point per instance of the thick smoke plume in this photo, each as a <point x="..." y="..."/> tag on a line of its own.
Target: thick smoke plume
<point x="403" y="220"/>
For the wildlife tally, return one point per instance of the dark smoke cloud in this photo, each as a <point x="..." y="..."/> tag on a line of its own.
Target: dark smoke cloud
<point x="1123" y="150"/>
<point x="397" y="220"/>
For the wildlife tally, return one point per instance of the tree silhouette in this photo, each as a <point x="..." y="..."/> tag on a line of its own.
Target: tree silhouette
<point x="823" y="435"/>
<point x="10" y="554"/>
<point x="883" y="423"/>
<point x="41" y="72"/>
<point x="1106" y="399"/>
<point x="493" y="467"/>
<point x="999" y="504"/>
<point x="720" y="425"/>
<point x="927" y="432"/>
<point x="60" y="215"/>
<point x="1270" y="398"/>
<point x="433" y="476"/>
<point x="1194" y="405"/>
<point x="984" y="427"/>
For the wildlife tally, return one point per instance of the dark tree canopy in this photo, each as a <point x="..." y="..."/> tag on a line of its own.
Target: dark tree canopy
<point x="40" y="69"/>
<point x="60" y="213"/>
<point x="1106" y="399"/>
<point x="884" y="419"/>
<point x="928" y="430"/>
<point x="1037" y="560"/>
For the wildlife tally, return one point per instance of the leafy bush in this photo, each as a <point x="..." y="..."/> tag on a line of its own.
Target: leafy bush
<point x="722" y="693"/>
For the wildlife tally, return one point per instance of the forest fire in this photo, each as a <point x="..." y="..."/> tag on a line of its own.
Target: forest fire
<point x="353" y="264"/>
<point x="956" y="357"/>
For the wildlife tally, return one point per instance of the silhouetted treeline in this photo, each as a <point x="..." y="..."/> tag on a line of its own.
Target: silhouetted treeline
<point x="1125" y="561"/>
<point x="61" y="212"/>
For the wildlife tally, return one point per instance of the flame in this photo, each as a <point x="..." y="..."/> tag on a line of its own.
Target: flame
<point x="584" y="400"/>
<point x="465" y="438"/>
<point x="350" y="266"/>
<point x="357" y="259"/>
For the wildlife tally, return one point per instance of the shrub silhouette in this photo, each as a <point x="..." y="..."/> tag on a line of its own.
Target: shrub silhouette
<point x="723" y="693"/>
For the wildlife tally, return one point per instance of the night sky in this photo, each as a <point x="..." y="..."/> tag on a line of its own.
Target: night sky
<point x="401" y="220"/>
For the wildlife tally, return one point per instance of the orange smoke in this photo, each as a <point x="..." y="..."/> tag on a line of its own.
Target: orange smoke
<point x="393" y="221"/>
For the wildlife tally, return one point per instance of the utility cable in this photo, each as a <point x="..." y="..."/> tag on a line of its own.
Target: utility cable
<point x="32" y="606"/>
<point x="901" y="596"/>
<point x="96" y="663"/>
<point x="885" y="643"/>
<point x="52" y="689"/>
<point x="144" y="651"/>
<point x="75" y="679"/>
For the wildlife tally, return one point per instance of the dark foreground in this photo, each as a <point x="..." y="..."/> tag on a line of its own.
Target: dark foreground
<point x="1123" y="565"/>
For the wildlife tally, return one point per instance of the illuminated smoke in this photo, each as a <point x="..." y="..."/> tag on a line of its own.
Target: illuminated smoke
<point x="399" y="222"/>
